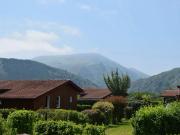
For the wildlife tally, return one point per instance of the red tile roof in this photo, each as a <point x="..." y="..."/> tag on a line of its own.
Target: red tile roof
<point x="95" y="94"/>
<point x="30" y="88"/>
<point x="170" y="93"/>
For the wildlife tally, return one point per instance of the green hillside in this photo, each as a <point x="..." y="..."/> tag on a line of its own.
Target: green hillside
<point x="13" y="69"/>
<point x="157" y="83"/>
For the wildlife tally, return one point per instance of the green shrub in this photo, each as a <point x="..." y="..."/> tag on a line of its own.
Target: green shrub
<point x="83" y="107"/>
<point x="119" y="104"/>
<point x="61" y="114"/>
<point x="22" y="121"/>
<point x="78" y="117"/>
<point x="95" y="116"/>
<point x="5" y="112"/>
<point x="57" y="128"/>
<point x="107" y="108"/>
<point x="2" y="126"/>
<point x="64" y="115"/>
<point x="94" y="130"/>
<point x="157" y="120"/>
<point x="46" y="114"/>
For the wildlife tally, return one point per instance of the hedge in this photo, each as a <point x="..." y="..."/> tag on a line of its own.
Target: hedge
<point x="66" y="128"/>
<point x="22" y="121"/>
<point x="57" y="128"/>
<point x="61" y="114"/>
<point x="94" y="130"/>
<point x="157" y="120"/>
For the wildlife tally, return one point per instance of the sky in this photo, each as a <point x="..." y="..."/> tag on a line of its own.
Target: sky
<point x="142" y="34"/>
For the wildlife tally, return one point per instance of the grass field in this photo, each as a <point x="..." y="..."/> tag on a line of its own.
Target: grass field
<point x="124" y="128"/>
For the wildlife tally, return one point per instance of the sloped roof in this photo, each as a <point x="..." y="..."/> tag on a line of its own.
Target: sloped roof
<point x="95" y="94"/>
<point x="31" y="88"/>
<point x="170" y="93"/>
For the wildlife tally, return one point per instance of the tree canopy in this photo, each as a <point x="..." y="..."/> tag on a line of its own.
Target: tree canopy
<point x="118" y="84"/>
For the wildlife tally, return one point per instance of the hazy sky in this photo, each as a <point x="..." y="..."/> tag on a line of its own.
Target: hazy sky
<point x="143" y="34"/>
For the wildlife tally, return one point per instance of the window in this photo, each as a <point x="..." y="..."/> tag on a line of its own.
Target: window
<point x="48" y="98"/>
<point x="58" y="102"/>
<point x="70" y="99"/>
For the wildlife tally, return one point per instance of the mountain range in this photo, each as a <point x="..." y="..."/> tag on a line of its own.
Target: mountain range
<point x="86" y="70"/>
<point x="89" y="66"/>
<point x="14" y="69"/>
<point x="157" y="83"/>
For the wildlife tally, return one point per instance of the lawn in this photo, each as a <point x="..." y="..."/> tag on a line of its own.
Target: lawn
<point x="124" y="128"/>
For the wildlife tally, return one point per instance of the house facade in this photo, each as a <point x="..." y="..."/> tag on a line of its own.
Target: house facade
<point x="38" y="94"/>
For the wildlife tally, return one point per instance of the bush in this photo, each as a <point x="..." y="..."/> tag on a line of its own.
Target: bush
<point x="78" y="117"/>
<point x="83" y="107"/>
<point x="5" y="112"/>
<point x="2" y="126"/>
<point x="22" y="121"/>
<point x="94" y="130"/>
<point x="61" y="114"/>
<point x="57" y="128"/>
<point x="119" y="103"/>
<point x="95" y="116"/>
<point x="64" y="115"/>
<point x="46" y="114"/>
<point x="157" y="120"/>
<point x="107" y="108"/>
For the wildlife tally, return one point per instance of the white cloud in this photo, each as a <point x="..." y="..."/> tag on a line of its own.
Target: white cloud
<point x="31" y="44"/>
<point x="54" y="26"/>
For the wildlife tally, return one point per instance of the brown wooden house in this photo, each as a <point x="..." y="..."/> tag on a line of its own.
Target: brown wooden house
<point x="170" y="95"/>
<point x="36" y="94"/>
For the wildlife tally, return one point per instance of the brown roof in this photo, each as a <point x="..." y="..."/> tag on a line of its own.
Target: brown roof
<point x="170" y="93"/>
<point x="30" y="88"/>
<point x="95" y="94"/>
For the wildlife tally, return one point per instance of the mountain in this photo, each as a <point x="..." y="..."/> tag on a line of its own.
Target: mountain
<point x="89" y="66"/>
<point x="158" y="83"/>
<point x="13" y="69"/>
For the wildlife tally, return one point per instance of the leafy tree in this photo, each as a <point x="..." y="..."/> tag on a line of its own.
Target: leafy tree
<point x="118" y="84"/>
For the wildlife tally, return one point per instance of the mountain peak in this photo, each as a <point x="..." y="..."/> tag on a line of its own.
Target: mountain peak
<point x="91" y="66"/>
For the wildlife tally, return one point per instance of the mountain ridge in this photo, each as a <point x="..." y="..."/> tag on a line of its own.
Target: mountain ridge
<point x="17" y="69"/>
<point x="157" y="83"/>
<point x="91" y="66"/>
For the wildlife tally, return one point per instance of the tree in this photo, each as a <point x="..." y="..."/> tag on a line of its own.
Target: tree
<point x="117" y="84"/>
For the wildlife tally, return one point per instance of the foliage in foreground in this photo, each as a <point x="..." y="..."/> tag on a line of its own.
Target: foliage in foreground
<point x="57" y="128"/>
<point x="157" y="120"/>
<point x="66" y="128"/>
<point x="64" y="115"/>
<point x="22" y="121"/>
